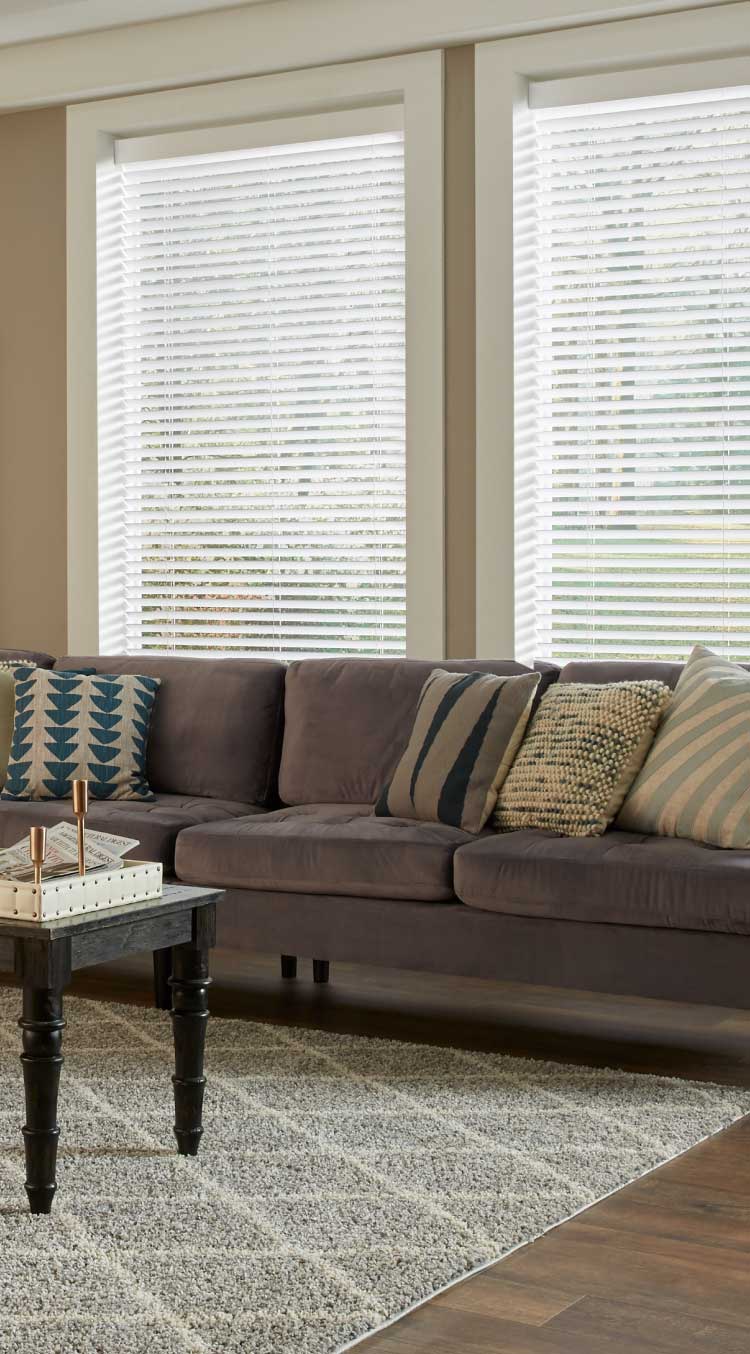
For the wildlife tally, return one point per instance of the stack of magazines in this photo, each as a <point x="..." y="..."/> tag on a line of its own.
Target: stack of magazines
<point x="103" y="851"/>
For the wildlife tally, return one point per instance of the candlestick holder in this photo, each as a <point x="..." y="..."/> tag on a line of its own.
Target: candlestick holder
<point x="37" y="851"/>
<point x="80" y="809"/>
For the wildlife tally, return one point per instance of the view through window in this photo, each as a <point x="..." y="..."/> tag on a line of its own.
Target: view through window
<point x="251" y="401"/>
<point x="633" y="378"/>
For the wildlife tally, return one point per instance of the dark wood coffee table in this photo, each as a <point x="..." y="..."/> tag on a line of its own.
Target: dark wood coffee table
<point x="44" y="955"/>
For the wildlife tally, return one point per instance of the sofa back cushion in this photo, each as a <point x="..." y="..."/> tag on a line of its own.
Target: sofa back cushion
<point x="623" y="670"/>
<point x="348" y="720"/>
<point x="216" y="726"/>
<point x="15" y="658"/>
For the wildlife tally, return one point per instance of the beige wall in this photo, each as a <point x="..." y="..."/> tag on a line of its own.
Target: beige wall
<point x="32" y="381"/>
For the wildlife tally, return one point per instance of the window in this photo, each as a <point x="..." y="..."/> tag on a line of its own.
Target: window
<point x="632" y="241"/>
<point x="251" y="398"/>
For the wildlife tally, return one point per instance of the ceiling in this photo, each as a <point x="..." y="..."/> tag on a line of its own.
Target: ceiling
<point x="31" y="20"/>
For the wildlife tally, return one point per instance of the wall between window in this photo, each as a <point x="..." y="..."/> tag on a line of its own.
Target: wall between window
<point x="32" y="381"/>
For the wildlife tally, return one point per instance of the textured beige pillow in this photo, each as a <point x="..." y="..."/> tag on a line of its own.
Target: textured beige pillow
<point x="580" y="755"/>
<point x="466" y="731"/>
<point x="696" y="780"/>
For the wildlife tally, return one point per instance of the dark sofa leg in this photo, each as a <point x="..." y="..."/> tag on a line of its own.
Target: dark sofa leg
<point x="320" y="970"/>
<point x="162" y="975"/>
<point x="289" y="966"/>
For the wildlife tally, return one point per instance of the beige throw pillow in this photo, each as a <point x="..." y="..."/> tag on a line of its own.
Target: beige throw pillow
<point x="584" y="746"/>
<point x="696" y="779"/>
<point x="466" y="732"/>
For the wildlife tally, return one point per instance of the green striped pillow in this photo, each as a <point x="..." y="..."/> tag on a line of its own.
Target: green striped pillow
<point x="466" y="732"/>
<point x="695" y="781"/>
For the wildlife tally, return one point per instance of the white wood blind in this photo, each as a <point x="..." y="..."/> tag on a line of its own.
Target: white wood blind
<point x="251" y="400"/>
<point x="633" y="377"/>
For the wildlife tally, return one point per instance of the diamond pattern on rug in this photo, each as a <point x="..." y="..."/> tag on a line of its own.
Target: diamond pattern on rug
<point x="340" y="1180"/>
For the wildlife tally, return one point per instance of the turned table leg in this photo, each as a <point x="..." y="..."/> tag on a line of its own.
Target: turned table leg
<point x="162" y="974"/>
<point x="189" y="983"/>
<point x="42" y="1025"/>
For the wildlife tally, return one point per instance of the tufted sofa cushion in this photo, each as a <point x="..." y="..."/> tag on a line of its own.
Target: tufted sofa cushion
<point x="623" y="877"/>
<point x="324" y="848"/>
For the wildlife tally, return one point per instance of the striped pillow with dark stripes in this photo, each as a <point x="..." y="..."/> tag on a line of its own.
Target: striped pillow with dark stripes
<point x="695" y="781"/>
<point x="467" y="729"/>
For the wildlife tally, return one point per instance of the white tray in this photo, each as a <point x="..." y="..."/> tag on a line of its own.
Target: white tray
<point x="132" y="881"/>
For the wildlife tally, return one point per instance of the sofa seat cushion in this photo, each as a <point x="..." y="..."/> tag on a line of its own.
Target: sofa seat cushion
<point x="324" y="848"/>
<point x="623" y="877"/>
<point x="155" y="824"/>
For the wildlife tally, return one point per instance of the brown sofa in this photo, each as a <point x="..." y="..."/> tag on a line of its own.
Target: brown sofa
<point x="265" y="775"/>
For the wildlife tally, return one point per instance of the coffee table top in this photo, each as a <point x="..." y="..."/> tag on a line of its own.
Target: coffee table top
<point x="175" y="899"/>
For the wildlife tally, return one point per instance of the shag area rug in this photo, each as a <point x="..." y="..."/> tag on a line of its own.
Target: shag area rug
<point x="340" y="1180"/>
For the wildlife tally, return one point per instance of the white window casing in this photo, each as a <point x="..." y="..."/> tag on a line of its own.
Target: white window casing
<point x="268" y="451"/>
<point x="626" y="449"/>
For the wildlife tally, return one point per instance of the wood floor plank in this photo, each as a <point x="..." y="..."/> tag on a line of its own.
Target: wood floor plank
<point x="601" y="1324"/>
<point x="710" y="1281"/>
<point x="438" y="1330"/>
<point x="590" y="1326"/>
<point x="491" y="1294"/>
<point x="721" y="1164"/>
<point x="663" y="1207"/>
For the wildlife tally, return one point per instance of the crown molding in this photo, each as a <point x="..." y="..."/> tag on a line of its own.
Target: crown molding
<point x="278" y="35"/>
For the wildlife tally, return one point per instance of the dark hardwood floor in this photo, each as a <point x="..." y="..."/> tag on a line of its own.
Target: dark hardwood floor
<point x="662" y="1267"/>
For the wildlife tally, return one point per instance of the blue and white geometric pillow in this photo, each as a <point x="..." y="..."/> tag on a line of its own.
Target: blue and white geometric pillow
<point x="69" y="726"/>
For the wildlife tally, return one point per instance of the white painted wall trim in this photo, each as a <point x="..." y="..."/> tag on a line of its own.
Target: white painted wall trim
<point x="505" y="71"/>
<point x="61" y="18"/>
<point x="257" y="39"/>
<point x="417" y="83"/>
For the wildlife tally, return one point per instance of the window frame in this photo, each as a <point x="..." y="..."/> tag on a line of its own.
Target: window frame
<point x="637" y="55"/>
<point x="416" y="82"/>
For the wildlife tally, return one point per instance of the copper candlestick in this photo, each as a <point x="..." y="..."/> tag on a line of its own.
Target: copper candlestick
<point x="80" y="809"/>
<point x="37" y="851"/>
